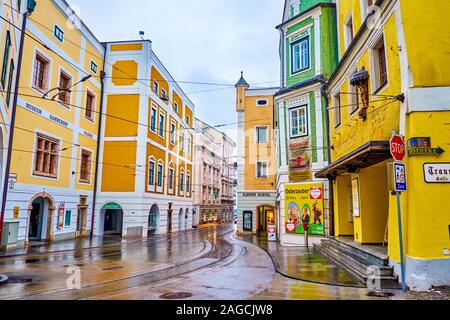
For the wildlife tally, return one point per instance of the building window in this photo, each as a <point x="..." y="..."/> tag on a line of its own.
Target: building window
<point x="90" y="105"/>
<point x="163" y="94"/>
<point x="151" y="173"/>
<point x="160" y="175"/>
<point x="380" y="65"/>
<point x="261" y="135"/>
<point x="40" y="73"/>
<point x="162" y="119"/>
<point x="10" y="79"/>
<point x="175" y="107"/>
<point x="59" y="34"/>
<point x="94" y="67"/>
<point x="298" y="121"/>
<point x="262" y="102"/>
<point x="65" y="82"/>
<point x="261" y="170"/>
<point x="6" y="58"/>
<point x="171" y="175"/>
<point x="188" y="184"/>
<point x="353" y="98"/>
<point x="155" y="87"/>
<point x="172" y="133"/>
<point x="182" y="141"/>
<point x="188" y="121"/>
<point x="46" y="158"/>
<point x="153" y="119"/>
<point x="85" y="168"/>
<point x="300" y="55"/>
<point x="181" y="182"/>
<point x="337" y="110"/>
<point x="349" y="33"/>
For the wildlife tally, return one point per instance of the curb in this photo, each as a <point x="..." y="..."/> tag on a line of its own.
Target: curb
<point x="278" y="269"/>
<point x="3" y="279"/>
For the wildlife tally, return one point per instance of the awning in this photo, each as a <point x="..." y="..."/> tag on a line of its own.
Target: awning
<point x="367" y="155"/>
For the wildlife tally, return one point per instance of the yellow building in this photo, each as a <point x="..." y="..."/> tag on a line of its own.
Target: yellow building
<point x="256" y="158"/>
<point x="53" y="151"/>
<point x="147" y="146"/>
<point x="393" y="74"/>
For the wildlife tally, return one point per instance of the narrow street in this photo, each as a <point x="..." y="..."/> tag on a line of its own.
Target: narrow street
<point x="208" y="263"/>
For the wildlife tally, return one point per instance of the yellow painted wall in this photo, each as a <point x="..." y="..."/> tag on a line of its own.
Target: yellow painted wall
<point x="126" y="47"/>
<point x="258" y="116"/>
<point x="115" y="176"/>
<point x="126" y="107"/>
<point x="342" y="224"/>
<point x="124" y="73"/>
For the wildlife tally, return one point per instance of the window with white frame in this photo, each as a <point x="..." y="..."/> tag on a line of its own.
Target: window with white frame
<point x="182" y="141"/>
<point x="171" y="176"/>
<point x="155" y="87"/>
<point x="175" y="107"/>
<point x="163" y="94"/>
<point x="151" y="174"/>
<point x="41" y="72"/>
<point x="353" y="98"/>
<point x="349" y="31"/>
<point x="182" y="182"/>
<point x="59" y="34"/>
<point x="160" y="174"/>
<point x="153" y="114"/>
<point x="261" y="169"/>
<point x="188" y="120"/>
<point x="337" y="116"/>
<point x="298" y="122"/>
<point x="188" y="184"/>
<point x="300" y="55"/>
<point x="262" y="103"/>
<point x="262" y="134"/>
<point x="162" y="121"/>
<point x="379" y="65"/>
<point x="65" y="83"/>
<point x="173" y="129"/>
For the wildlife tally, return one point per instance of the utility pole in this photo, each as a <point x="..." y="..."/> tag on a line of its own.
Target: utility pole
<point x="31" y="4"/>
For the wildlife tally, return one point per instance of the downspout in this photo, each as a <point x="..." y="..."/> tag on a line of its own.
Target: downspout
<point x="330" y="178"/>
<point x="102" y="79"/>
<point x="13" y="119"/>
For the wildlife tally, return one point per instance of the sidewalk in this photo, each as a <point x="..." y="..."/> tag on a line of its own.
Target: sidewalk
<point x="303" y="263"/>
<point x="65" y="245"/>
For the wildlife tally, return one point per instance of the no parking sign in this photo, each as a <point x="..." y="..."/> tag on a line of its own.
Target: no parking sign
<point x="400" y="176"/>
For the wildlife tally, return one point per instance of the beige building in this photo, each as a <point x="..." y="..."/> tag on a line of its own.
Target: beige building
<point x="213" y="179"/>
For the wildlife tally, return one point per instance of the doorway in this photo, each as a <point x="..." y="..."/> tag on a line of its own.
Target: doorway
<point x="180" y="220"/>
<point x="36" y="229"/>
<point x="169" y="219"/>
<point x="266" y="216"/>
<point x="153" y="220"/>
<point x="113" y="222"/>
<point x="81" y="221"/>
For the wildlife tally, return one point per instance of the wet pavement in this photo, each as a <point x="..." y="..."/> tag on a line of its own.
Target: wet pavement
<point x="304" y="263"/>
<point x="208" y="263"/>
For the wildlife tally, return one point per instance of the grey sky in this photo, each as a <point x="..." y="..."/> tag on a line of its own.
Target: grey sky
<point x="199" y="40"/>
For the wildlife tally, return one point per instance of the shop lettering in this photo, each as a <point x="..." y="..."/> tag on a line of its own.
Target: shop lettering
<point x="57" y="120"/>
<point x="254" y="195"/>
<point x="302" y="191"/>
<point x="33" y="108"/>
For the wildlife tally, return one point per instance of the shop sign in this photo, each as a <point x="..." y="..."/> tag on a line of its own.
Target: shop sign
<point x="300" y="154"/>
<point x="425" y="151"/>
<point x="255" y="195"/>
<point x="400" y="176"/>
<point x="61" y="212"/>
<point x="419" y="142"/>
<point x="272" y="232"/>
<point x="437" y="172"/>
<point x="12" y="181"/>
<point x="111" y="206"/>
<point x="16" y="213"/>
<point x="304" y="203"/>
<point x="248" y="221"/>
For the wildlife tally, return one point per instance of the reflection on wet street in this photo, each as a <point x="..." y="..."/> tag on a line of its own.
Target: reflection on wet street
<point x="208" y="263"/>
<point x="304" y="263"/>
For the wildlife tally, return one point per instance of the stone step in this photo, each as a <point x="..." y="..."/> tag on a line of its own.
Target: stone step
<point x="361" y="255"/>
<point x="357" y="269"/>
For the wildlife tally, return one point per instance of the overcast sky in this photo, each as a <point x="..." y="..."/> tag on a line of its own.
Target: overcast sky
<point x="199" y="40"/>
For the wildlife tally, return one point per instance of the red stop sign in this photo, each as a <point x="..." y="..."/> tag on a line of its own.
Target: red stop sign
<point x="397" y="146"/>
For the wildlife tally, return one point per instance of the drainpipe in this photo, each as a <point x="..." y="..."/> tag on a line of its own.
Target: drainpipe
<point x="330" y="178"/>
<point x="102" y="79"/>
<point x="29" y="11"/>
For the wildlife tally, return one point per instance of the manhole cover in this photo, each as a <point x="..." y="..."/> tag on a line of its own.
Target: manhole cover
<point x="20" y="280"/>
<point x="176" y="295"/>
<point x="112" y="268"/>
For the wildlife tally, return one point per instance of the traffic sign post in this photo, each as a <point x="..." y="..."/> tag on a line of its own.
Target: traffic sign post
<point x="398" y="151"/>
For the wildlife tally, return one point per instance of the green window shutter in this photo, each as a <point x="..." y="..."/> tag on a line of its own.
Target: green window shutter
<point x="6" y="58"/>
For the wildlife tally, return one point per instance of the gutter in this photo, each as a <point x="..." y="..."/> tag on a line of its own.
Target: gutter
<point x="102" y="76"/>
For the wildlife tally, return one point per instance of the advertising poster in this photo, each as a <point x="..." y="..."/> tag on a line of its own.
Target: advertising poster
<point x="271" y="233"/>
<point x="300" y="168"/>
<point x="304" y="202"/>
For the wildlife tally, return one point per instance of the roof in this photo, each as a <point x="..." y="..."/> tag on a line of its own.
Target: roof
<point x="308" y="82"/>
<point x="241" y="82"/>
